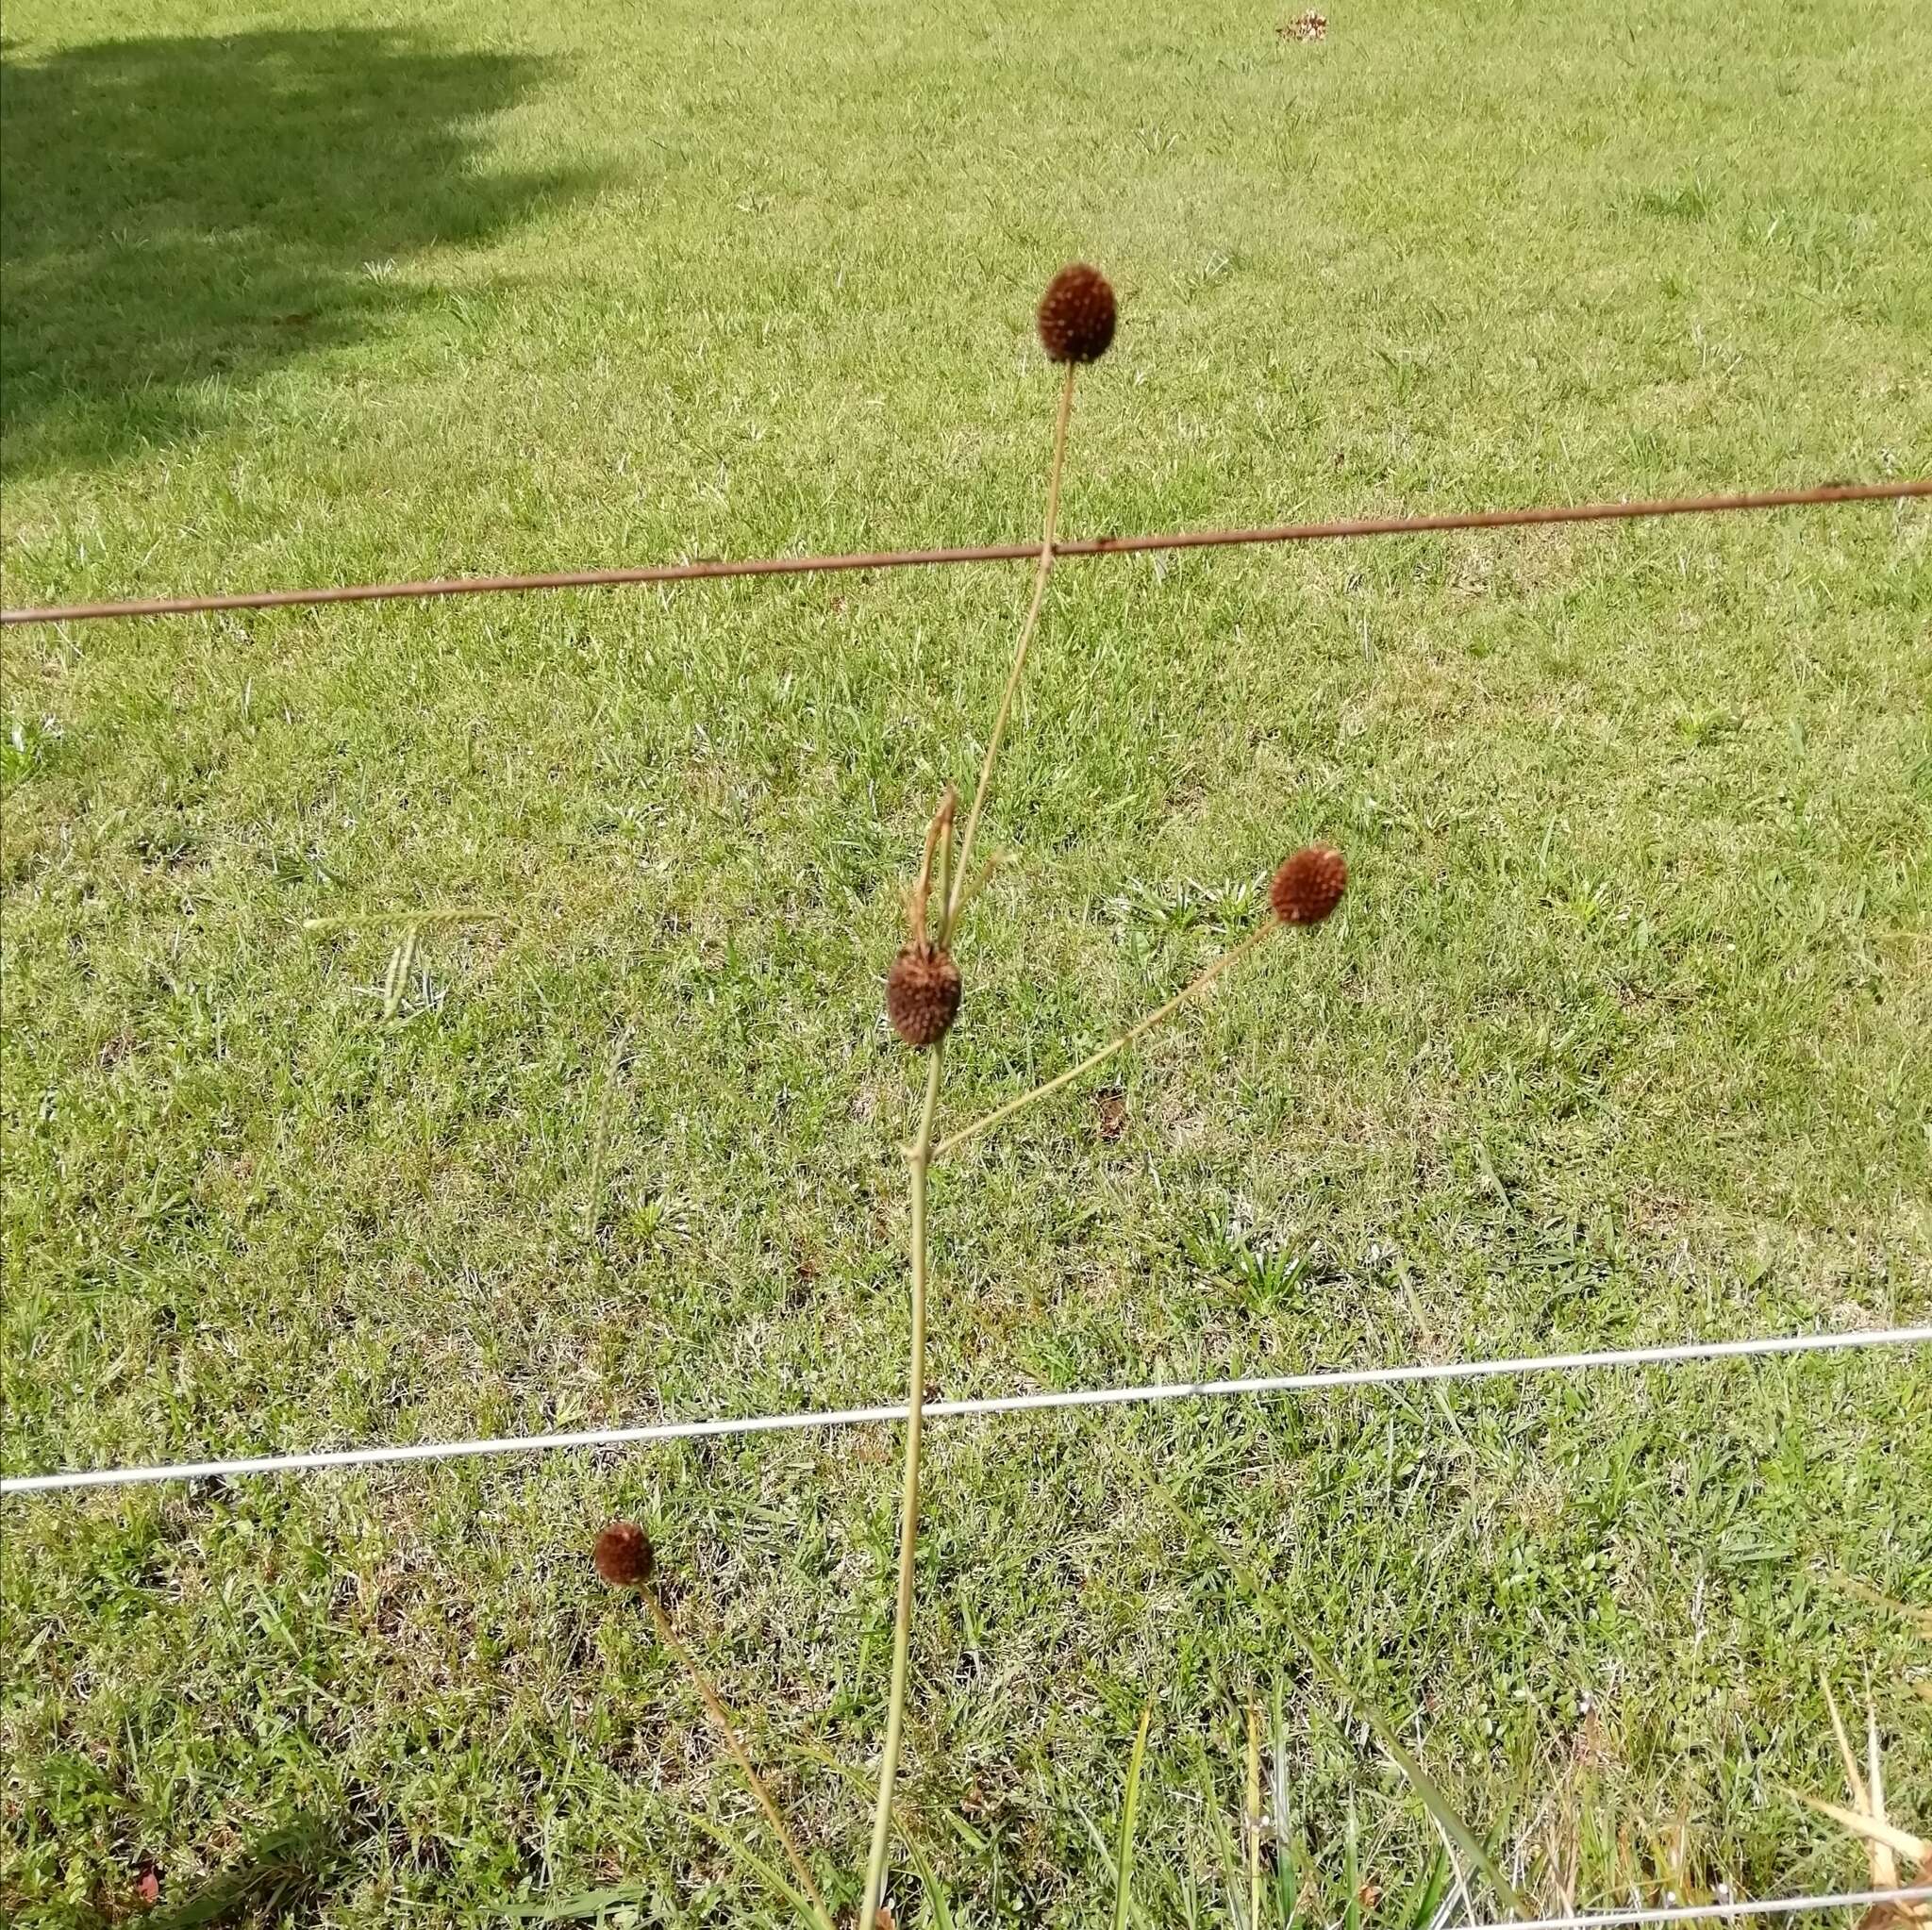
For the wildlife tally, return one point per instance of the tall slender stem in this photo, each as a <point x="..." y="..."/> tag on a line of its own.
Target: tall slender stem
<point x="1254" y="1818"/>
<point x="721" y="1719"/>
<point x="1192" y="988"/>
<point x="1042" y="571"/>
<point x="919" y="1156"/>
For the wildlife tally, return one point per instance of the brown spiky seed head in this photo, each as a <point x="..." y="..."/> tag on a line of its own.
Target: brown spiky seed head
<point x="624" y="1555"/>
<point x="1309" y="886"/>
<point x="923" y="995"/>
<point x="1076" y="315"/>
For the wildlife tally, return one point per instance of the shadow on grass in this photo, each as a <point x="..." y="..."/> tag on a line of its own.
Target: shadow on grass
<point x="180" y="216"/>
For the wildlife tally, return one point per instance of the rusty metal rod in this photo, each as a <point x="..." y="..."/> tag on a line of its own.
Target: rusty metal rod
<point x="988" y="552"/>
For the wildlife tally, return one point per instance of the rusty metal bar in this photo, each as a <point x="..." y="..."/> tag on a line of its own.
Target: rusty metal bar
<point x="989" y="553"/>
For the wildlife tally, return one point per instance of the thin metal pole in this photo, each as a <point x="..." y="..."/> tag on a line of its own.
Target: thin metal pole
<point x="1724" y="1912"/>
<point x="1312" y="1382"/>
<point x="985" y="553"/>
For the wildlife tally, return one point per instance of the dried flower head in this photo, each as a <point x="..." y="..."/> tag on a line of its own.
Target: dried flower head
<point x="624" y="1555"/>
<point x="922" y="993"/>
<point x="1076" y="315"/>
<point x="1309" y="886"/>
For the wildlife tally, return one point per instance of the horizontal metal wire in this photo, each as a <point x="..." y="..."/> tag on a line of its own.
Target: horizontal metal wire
<point x="1327" y="1381"/>
<point x="1705" y="1913"/>
<point x="987" y="553"/>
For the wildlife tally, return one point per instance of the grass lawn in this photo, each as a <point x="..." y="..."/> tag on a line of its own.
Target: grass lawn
<point x="1625" y="1032"/>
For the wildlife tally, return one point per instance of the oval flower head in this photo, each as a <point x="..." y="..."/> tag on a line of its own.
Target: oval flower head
<point x="923" y="995"/>
<point x="624" y="1555"/>
<point x="1309" y="886"/>
<point x="1076" y="315"/>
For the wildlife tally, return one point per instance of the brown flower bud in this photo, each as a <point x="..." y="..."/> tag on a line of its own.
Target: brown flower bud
<point x="1309" y="886"/>
<point x="923" y="995"/>
<point x="624" y="1555"/>
<point x="1076" y="315"/>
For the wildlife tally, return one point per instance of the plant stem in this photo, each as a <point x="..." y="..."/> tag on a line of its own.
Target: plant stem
<point x="919" y="1156"/>
<point x="1042" y="571"/>
<point x="952" y="894"/>
<point x="1154" y="1018"/>
<point x="720" y="1719"/>
<point x="1254" y="1818"/>
<point x="1130" y="1808"/>
<point x="942" y="826"/>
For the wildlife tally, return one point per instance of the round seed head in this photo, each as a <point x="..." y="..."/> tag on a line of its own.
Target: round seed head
<point x="1076" y="315"/>
<point x="923" y="995"/>
<point x="624" y="1555"/>
<point x="1309" y="886"/>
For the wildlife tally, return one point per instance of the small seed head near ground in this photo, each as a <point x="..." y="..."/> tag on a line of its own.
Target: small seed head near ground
<point x="624" y="1555"/>
<point x="1309" y="886"/>
<point x="1076" y="315"/>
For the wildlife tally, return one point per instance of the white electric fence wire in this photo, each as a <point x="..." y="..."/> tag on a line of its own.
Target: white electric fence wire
<point x="1705" y="1913"/>
<point x="1326" y="1382"/>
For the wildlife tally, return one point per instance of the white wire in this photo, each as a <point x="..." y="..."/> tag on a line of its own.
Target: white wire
<point x="1004" y="1404"/>
<point x="1686" y="1913"/>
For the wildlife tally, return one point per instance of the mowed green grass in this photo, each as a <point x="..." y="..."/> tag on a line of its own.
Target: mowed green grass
<point x="1624" y="1034"/>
